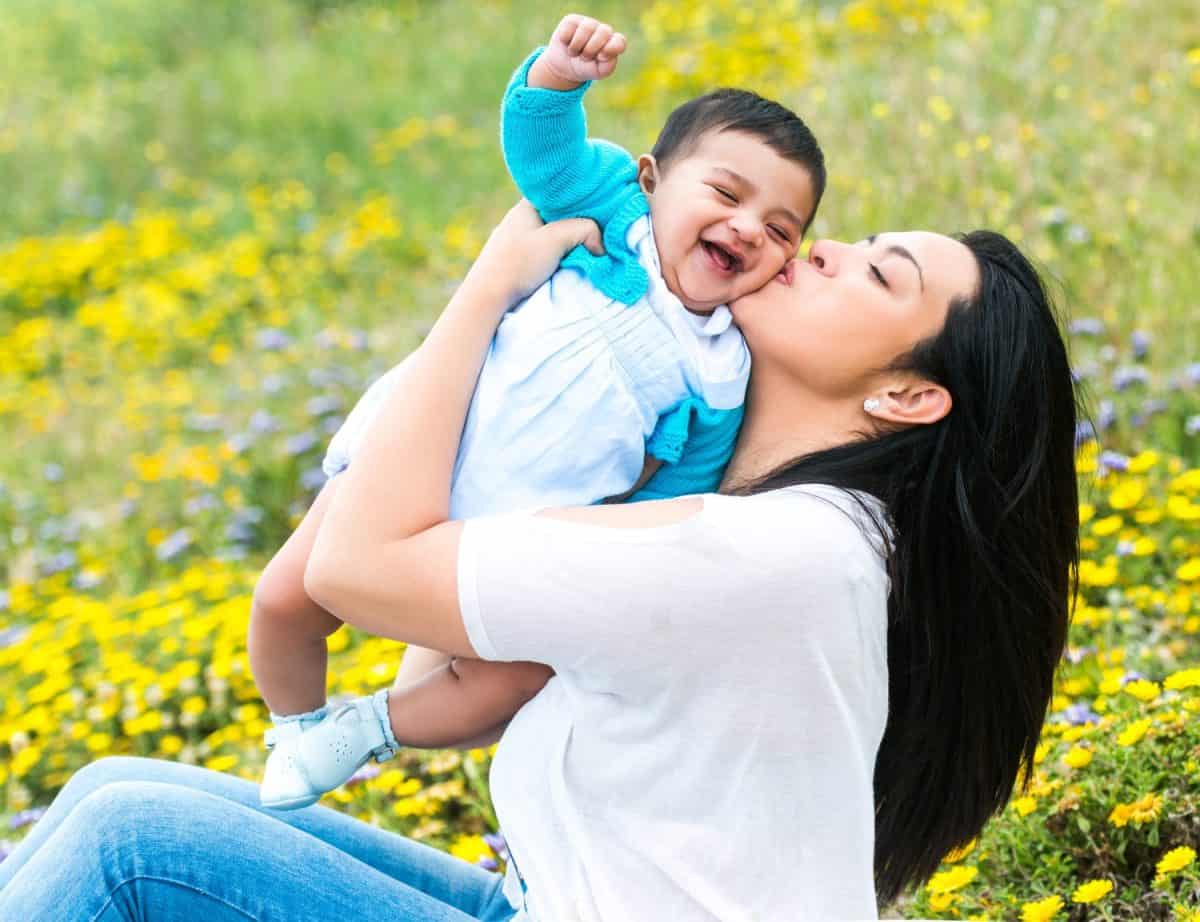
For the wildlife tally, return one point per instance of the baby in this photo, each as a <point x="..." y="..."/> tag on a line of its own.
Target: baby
<point x="620" y="378"/>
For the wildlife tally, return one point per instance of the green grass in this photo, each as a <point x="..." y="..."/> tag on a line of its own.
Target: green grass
<point x="179" y="178"/>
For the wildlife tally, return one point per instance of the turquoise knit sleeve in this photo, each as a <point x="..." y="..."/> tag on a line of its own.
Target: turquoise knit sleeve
<point x="565" y="174"/>
<point x="550" y="157"/>
<point x="695" y="443"/>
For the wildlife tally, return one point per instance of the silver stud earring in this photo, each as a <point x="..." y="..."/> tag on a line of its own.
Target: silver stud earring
<point x="870" y="404"/>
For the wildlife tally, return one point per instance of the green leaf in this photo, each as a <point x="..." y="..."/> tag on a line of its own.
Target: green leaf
<point x="1084" y="824"/>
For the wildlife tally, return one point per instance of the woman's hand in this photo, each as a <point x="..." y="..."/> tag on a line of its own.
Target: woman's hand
<point x="522" y="252"/>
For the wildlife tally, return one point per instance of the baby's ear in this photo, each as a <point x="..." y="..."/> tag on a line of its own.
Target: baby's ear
<point x="647" y="173"/>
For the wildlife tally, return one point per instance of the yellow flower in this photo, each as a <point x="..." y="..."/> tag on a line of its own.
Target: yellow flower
<point x="1078" y="756"/>
<point x="942" y="901"/>
<point x="1042" y="910"/>
<point x="1175" y="860"/>
<point x="1092" y="891"/>
<point x="1134" y="732"/>
<point x="470" y="848"/>
<point x="1143" y="689"/>
<point x="1185" y="678"/>
<point x="1143" y="810"/>
<point x="959" y="854"/>
<point x="1025" y="805"/>
<point x="951" y="880"/>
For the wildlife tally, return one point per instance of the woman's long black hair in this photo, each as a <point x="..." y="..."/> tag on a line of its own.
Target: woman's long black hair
<point x="984" y="510"/>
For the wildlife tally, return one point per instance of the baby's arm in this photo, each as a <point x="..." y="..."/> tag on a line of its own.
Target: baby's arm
<point x="462" y="700"/>
<point x="544" y="131"/>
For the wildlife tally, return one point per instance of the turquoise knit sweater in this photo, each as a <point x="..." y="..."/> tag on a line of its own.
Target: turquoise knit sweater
<point x="566" y="174"/>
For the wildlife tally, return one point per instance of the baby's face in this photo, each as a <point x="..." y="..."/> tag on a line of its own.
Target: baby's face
<point x="727" y="217"/>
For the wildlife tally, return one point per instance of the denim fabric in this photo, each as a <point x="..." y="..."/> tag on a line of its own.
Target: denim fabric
<point x="142" y="839"/>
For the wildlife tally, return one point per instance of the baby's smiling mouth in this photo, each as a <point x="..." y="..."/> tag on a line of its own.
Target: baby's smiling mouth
<point x="725" y="258"/>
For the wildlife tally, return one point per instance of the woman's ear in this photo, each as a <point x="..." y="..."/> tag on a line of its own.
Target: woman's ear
<point x="647" y="175"/>
<point x="912" y="402"/>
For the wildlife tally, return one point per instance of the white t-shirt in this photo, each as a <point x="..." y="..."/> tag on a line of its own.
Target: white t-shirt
<point x="707" y="746"/>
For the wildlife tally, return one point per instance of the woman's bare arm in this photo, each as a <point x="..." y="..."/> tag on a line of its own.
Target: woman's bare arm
<point x="385" y="558"/>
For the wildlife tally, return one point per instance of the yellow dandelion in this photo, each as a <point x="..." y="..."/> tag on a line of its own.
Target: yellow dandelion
<point x="1078" y="757"/>
<point x="1091" y="892"/>
<point x="960" y="853"/>
<point x="1175" y="860"/>
<point x="1185" y="678"/>
<point x="1143" y="689"/>
<point x="1042" y="910"/>
<point x="1134" y="732"/>
<point x="1025" y="805"/>
<point x="951" y="880"/>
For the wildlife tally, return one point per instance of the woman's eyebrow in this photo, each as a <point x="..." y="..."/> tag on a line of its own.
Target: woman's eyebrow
<point x="903" y="251"/>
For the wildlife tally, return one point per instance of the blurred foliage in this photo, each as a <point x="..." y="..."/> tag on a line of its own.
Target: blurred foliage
<point x="222" y="220"/>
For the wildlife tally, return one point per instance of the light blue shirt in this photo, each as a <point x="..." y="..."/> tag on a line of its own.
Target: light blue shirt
<point x="600" y="366"/>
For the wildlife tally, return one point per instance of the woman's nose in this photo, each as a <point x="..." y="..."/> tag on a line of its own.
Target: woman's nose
<point x="823" y="256"/>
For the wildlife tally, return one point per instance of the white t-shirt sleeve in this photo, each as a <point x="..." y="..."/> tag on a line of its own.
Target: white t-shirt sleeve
<point x="618" y="602"/>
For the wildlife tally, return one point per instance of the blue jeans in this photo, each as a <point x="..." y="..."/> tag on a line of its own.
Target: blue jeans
<point x="142" y="839"/>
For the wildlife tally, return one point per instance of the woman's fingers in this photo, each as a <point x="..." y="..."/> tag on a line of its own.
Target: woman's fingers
<point x="571" y="232"/>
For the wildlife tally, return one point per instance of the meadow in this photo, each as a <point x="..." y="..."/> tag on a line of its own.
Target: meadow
<point x="220" y="221"/>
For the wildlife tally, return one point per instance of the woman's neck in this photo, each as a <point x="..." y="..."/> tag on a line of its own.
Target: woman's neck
<point x="781" y="424"/>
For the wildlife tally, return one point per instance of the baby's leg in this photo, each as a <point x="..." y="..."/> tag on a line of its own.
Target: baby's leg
<point x="462" y="701"/>
<point x="286" y="642"/>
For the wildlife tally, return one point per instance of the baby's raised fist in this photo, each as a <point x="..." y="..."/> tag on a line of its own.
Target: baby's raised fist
<point x="583" y="49"/>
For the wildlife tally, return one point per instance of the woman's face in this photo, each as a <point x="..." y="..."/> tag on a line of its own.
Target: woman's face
<point x="832" y="321"/>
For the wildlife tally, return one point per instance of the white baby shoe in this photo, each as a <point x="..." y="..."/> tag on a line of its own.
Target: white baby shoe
<point x="307" y="761"/>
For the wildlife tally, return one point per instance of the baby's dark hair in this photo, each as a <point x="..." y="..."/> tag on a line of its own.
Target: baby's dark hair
<point x="727" y="109"/>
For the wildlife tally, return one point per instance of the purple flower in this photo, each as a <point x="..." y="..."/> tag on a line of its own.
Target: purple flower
<point x="26" y="818"/>
<point x="1153" y="406"/>
<point x="1076" y="655"/>
<point x="313" y="478"/>
<point x="1106" y="415"/>
<point x="86" y="579"/>
<point x="174" y="544"/>
<point x="1124" y="548"/>
<point x="1141" y="341"/>
<point x="299" y="444"/>
<point x="1084" y="432"/>
<point x="200" y="503"/>
<point x="1078" y="714"/>
<point x="53" y="472"/>
<point x="63" y="560"/>
<point x="4" y="599"/>
<point x="1114" y="461"/>
<point x="1192" y="373"/>
<point x="6" y="848"/>
<point x="1131" y="676"/>
<point x="488" y="864"/>
<point x="1128" y="375"/>
<point x="323" y="405"/>
<point x="272" y="339"/>
<point x="1087" y="326"/>
<point x="14" y="635"/>
<point x="359" y="340"/>
<point x="366" y="773"/>
<point x="332" y="424"/>
<point x="272" y="383"/>
<point x="1192" y="425"/>
<point x="262" y="422"/>
<point x="204" y="422"/>
<point x="496" y="842"/>
<point x="240" y="441"/>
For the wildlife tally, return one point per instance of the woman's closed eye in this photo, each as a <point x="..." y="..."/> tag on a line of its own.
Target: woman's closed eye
<point x="879" y="276"/>
<point x="725" y="193"/>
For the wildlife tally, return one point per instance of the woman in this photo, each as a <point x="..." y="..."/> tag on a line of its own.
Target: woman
<point x="783" y="701"/>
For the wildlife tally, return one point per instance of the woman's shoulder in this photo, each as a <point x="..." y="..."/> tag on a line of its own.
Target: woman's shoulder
<point x="814" y="517"/>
